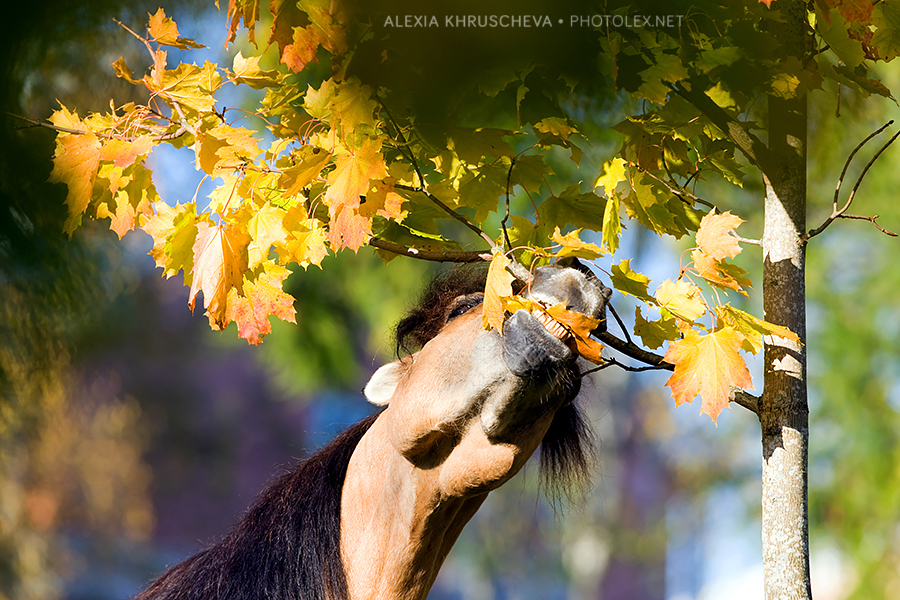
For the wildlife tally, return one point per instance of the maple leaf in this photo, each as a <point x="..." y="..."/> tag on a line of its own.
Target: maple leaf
<point x="654" y="333"/>
<point x="219" y="264"/>
<point x="614" y="172"/>
<point x="308" y="163"/>
<point x="123" y="153"/>
<point x="305" y="240"/>
<point x="225" y="146"/>
<point x="719" y="273"/>
<point x="265" y="228"/>
<point x="573" y="246"/>
<point x="498" y="286"/>
<point x="185" y="85"/>
<point x="261" y="296"/>
<point x="174" y="231"/>
<point x="580" y="326"/>
<point x="752" y="328"/>
<point x="74" y="164"/>
<point x="123" y="72"/>
<point x="383" y="201"/>
<point x="302" y="49"/>
<point x="612" y="228"/>
<point x="165" y="32"/>
<point x="681" y="298"/>
<point x="708" y="365"/>
<point x="246" y="70"/>
<point x="349" y="180"/>
<point x="713" y="238"/>
<point x="631" y="282"/>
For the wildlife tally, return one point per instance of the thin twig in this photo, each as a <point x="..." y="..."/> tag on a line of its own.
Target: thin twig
<point x="111" y="136"/>
<point x="680" y="192"/>
<point x="506" y="216"/>
<point x="619" y="321"/>
<point x="421" y="187"/>
<point x="462" y="219"/>
<point x="839" y="213"/>
<point x="612" y="362"/>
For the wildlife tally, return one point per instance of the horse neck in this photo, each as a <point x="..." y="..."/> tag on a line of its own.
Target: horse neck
<point x="397" y="525"/>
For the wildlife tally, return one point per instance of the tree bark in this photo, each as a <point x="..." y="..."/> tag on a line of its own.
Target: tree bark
<point x="783" y="410"/>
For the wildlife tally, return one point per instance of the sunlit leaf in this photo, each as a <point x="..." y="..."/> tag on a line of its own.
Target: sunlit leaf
<point x="708" y="365"/>
<point x="220" y="259"/>
<point x="681" y="298"/>
<point x="261" y="296"/>
<point x="498" y="286"/>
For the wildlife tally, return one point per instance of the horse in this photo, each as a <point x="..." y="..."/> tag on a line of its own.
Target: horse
<point x="373" y="515"/>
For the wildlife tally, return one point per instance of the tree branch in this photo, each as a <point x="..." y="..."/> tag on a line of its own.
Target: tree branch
<point x="747" y="400"/>
<point x="837" y="213"/>
<point x="432" y="255"/>
<point x="631" y="350"/>
<point x="111" y="136"/>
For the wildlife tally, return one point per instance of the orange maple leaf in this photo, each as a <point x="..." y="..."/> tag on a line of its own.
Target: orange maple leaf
<point x="708" y="365"/>
<point x="717" y="273"/>
<point x="580" y="326"/>
<point x="220" y="259"/>
<point x="713" y="238"/>
<point x="498" y="286"/>
<point x="383" y="201"/>
<point x="261" y="296"/>
<point x="123" y="153"/>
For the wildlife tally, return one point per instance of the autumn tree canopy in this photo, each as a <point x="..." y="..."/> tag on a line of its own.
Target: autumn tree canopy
<point x="364" y="143"/>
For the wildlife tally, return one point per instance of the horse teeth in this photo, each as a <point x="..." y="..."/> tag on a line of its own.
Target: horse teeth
<point x="550" y="324"/>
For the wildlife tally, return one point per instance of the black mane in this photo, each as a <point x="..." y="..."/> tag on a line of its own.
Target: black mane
<point x="287" y="545"/>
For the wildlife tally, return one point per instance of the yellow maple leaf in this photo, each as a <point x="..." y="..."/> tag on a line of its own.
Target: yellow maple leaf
<point x="498" y="286"/>
<point x="681" y="298"/>
<point x="614" y="172"/>
<point x="75" y="164"/>
<point x="708" y="365"/>
<point x="383" y="201"/>
<point x="265" y="228"/>
<point x="351" y="179"/>
<point x="219" y="264"/>
<point x="572" y="245"/>
<point x="713" y="238"/>
<point x="165" y="31"/>
<point x="309" y="163"/>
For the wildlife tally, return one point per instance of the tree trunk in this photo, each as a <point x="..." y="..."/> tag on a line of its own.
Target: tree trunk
<point x="783" y="409"/>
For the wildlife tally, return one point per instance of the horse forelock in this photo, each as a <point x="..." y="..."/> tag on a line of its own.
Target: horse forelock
<point x="429" y="315"/>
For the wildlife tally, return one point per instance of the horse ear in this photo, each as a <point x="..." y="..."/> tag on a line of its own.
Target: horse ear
<point x="383" y="383"/>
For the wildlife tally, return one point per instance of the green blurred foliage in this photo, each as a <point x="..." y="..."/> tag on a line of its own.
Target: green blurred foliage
<point x="853" y="286"/>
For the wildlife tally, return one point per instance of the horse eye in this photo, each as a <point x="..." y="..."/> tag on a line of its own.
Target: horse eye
<point x="464" y="304"/>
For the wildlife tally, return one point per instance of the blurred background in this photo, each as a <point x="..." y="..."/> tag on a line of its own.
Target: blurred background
<point x="131" y="435"/>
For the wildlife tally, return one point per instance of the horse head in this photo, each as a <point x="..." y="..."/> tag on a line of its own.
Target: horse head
<point x="463" y="414"/>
